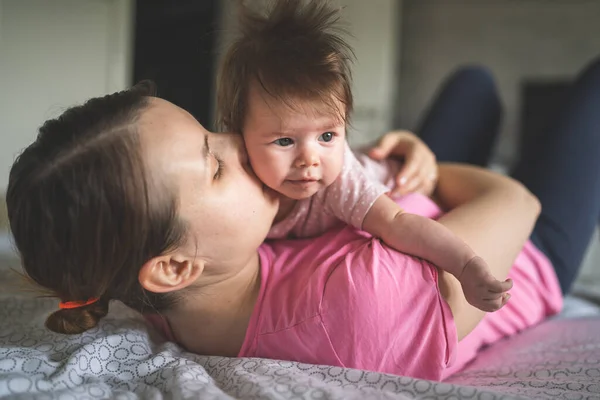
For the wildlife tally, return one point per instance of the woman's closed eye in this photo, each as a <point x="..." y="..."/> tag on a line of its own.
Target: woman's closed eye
<point x="283" y="142"/>
<point x="219" y="170"/>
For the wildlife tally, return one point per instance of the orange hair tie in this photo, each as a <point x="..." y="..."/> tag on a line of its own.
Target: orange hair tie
<point x="67" y="305"/>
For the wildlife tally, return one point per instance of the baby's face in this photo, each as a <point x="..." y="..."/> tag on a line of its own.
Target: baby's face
<point x="296" y="151"/>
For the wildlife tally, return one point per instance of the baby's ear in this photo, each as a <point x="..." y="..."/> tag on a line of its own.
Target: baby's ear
<point x="168" y="273"/>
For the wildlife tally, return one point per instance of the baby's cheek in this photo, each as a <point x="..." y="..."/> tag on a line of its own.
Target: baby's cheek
<point x="265" y="166"/>
<point x="257" y="157"/>
<point x="334" y="169"/>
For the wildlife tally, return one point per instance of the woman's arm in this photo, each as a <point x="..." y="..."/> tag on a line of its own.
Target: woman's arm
<point x="494" y="215"/>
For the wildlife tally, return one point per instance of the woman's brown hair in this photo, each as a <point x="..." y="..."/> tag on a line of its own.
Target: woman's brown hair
<point x="295" y="51"/>
<point x="82" y="211"/>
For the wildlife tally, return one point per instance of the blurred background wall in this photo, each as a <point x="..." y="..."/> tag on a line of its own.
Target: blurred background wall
<point x="54" y="54"/>
<point x="534" y="48"/>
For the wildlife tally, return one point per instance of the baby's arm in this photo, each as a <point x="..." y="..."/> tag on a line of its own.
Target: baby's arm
<point x="430" y="240"/>
<point x="357" y="199"/>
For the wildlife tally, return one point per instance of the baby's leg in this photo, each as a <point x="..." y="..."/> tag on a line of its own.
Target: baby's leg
<point x="462" y="123"/>
<point x="563" y="171"/>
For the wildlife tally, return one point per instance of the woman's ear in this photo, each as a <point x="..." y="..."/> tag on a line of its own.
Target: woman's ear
<point x="168" y="273"/>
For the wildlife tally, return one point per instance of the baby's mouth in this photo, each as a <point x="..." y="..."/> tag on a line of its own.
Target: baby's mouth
<point x="303" y="182"/>
<point x="303" y="179"/>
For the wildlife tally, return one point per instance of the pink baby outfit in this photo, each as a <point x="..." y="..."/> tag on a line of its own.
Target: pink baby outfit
<point x="347" y="299"/>
<point x="346" y="201"/>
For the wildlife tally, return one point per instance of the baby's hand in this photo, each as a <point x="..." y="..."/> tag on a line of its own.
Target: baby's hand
<point x="481" y="289"/>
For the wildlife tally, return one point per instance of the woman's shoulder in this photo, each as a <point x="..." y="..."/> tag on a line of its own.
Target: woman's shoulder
<point x="303" y="268"/>
<point x="380" y="275"/>
<point x="300" y="276"/>
<point x="361" y="297"/>
<point x="386" y="313"/>
<point x="295" y="272"/>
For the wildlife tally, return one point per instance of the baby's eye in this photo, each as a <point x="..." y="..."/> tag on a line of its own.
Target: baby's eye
<point x="284" y="142"/>
<point x="327" y="137"/>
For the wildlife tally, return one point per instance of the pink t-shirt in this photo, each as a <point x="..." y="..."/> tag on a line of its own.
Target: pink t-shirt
<point x="347" y="200"/>
<point x="347" y="299"/>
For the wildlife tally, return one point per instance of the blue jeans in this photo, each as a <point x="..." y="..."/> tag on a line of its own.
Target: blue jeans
<point x="562" y="168"/>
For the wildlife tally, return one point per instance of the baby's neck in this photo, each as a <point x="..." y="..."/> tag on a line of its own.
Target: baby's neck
<point x="286" y="205"/>
<point x="213" y="319"/>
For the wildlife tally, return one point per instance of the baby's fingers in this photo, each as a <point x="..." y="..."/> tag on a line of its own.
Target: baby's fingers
<point x="496" y="304"/>
<point x="492" y="297"/>
<point x="505" y="299"/>
<point x="497" y="286"/>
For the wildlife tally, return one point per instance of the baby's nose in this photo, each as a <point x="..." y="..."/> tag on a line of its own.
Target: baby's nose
<point x="307" y="158"/>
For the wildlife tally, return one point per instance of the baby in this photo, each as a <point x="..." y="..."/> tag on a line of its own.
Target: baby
<point x="285" y="84"/>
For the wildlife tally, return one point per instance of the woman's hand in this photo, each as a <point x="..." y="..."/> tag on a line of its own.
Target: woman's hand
<point x="419" y="172"/>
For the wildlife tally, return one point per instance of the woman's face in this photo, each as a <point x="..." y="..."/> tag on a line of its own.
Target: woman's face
<point x="228" y="210"/>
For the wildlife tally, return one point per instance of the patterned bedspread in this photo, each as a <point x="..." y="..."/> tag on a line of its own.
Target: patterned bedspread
<point x="123" y="359"/>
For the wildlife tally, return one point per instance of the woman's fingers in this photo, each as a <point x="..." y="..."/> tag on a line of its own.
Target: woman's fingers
<point x="408" y="177"/>
<point x="390" y="144"/>
<point x="417" y="176"/>
<point x="419" y="171"/>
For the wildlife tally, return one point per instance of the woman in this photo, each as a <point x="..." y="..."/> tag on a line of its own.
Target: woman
<point x="123" y="198"/>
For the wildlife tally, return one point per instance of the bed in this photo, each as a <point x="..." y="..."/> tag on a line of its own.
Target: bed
<point x="124" y="359"/>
